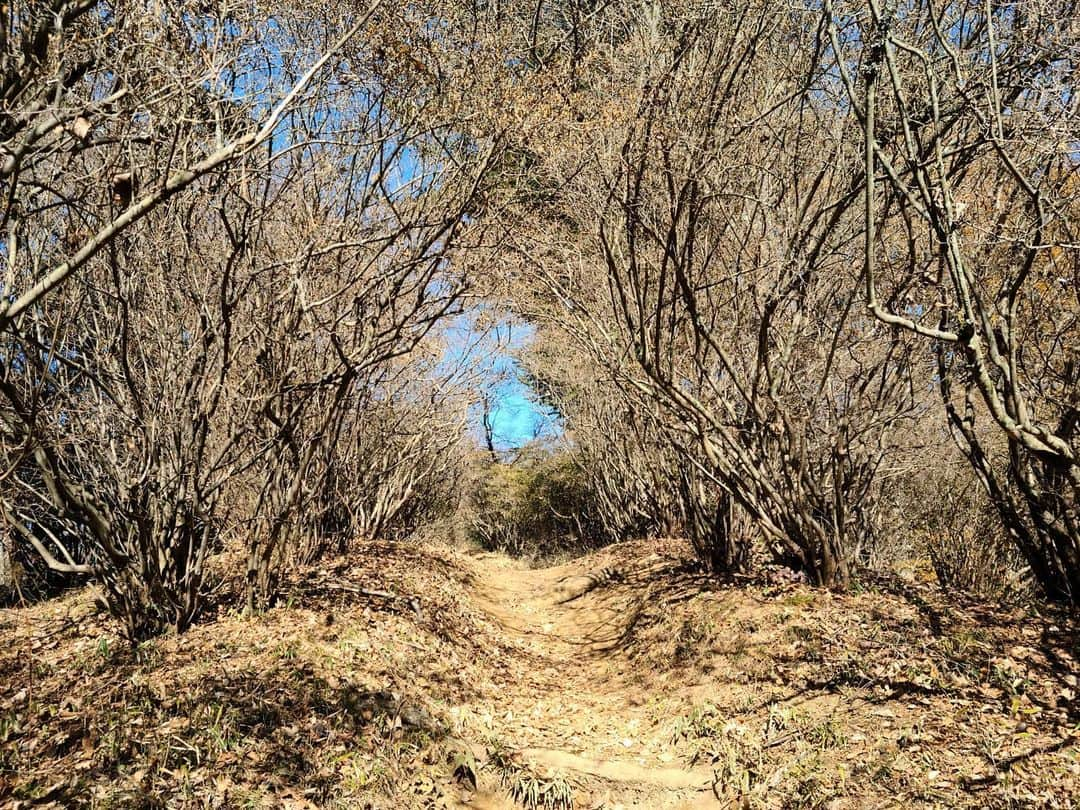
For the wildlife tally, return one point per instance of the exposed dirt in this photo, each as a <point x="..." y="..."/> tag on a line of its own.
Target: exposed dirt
<point x="576" y="711"/>
<point x="623" y="679"/>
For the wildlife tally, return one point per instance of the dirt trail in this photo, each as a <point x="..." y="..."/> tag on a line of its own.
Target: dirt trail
<point x="577" y="707"/>
<point x="645" y="684"/>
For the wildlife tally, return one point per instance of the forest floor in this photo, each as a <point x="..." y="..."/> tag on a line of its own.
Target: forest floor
<point x="420" y="675"/>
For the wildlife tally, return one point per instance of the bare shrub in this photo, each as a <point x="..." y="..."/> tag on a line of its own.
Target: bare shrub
<point x="695" y="241"/>
<point x="970" y="239"/>
<point x="164" y="383"/>
<point x="943" y="514"/>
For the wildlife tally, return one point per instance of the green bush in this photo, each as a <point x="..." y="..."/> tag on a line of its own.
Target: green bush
<point x="539" y="504"/>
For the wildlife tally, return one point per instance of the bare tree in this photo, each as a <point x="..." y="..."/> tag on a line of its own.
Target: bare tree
<point x="723" y="188"/>
<point x="152" y="377"/>
<point x="970" y="239"/>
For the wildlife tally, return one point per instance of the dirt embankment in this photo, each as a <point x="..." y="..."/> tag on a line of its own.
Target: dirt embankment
<point x="624" y="679"/>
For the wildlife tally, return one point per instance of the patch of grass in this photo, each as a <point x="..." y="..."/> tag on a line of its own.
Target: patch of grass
<point x="787" y="723"/>
<point x="362" y="773"/>
<point x="10" y="727"/>
<point x="704" y="722"/>
<point x="531" y="790"/>
<point x="825" y="735"/>
<point x="691" y="639"/>
<point x="148" y="655"/>
<point x="219" y="726"/>
<point x="800" y="599"/>
<point x="810" y="790"/>
<point x="734" y="644"/>
<point x="1005" y="674"/>
<point x="736" y="760"/>
<point x="964" y="652"/>
<point x="800" y="632"/>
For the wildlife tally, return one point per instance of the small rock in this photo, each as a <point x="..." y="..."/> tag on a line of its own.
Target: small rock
<point x="418" y="717"/>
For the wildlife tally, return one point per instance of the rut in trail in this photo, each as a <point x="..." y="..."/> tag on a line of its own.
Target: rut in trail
<point x="574" y="704"/>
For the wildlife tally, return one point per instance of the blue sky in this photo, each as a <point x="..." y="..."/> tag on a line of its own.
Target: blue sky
<point x="516" y="416"/>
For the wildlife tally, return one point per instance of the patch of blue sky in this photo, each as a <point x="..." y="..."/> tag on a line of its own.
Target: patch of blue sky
<point x="489" y="343"/>
<point x="518" y="419"/>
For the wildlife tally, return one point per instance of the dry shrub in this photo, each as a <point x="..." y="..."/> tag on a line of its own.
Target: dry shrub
<point x="977" y="561"/>
<point x="944" y="515"/>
